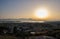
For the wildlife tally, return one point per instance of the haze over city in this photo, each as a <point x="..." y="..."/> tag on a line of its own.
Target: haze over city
<point x="29" y="19"/>
<point x="35" y="9"/>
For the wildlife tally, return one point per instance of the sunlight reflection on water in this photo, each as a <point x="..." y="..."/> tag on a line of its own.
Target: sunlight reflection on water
<point x="34" y="21"/>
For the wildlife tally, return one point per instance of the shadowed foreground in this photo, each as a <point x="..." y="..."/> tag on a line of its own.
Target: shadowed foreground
<point x="29" y="31"/>
<point x="32" y="37"/>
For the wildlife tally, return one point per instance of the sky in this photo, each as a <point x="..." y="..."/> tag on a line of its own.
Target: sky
<point x="26" y="8"/>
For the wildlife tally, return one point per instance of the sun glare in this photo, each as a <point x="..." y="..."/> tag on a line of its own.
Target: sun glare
<point x="41" y="13"/>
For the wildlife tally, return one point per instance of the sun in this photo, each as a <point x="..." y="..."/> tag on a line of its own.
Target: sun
<point x="41" y="13"/>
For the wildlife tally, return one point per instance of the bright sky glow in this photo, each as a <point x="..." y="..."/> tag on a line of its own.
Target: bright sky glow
<point x="25" y="9"/>
<point x="41" y="13"/>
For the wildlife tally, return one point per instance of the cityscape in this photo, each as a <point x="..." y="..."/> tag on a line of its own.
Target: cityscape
<point x="29" y="19"/>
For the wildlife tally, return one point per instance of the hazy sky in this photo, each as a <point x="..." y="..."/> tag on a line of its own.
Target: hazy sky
<point x="25" y="8"/>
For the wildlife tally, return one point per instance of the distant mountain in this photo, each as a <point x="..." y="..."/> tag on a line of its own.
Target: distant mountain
<point x="16" y="20"/>
<point x="20" y="20"/>
<point x="27" y="20"/>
